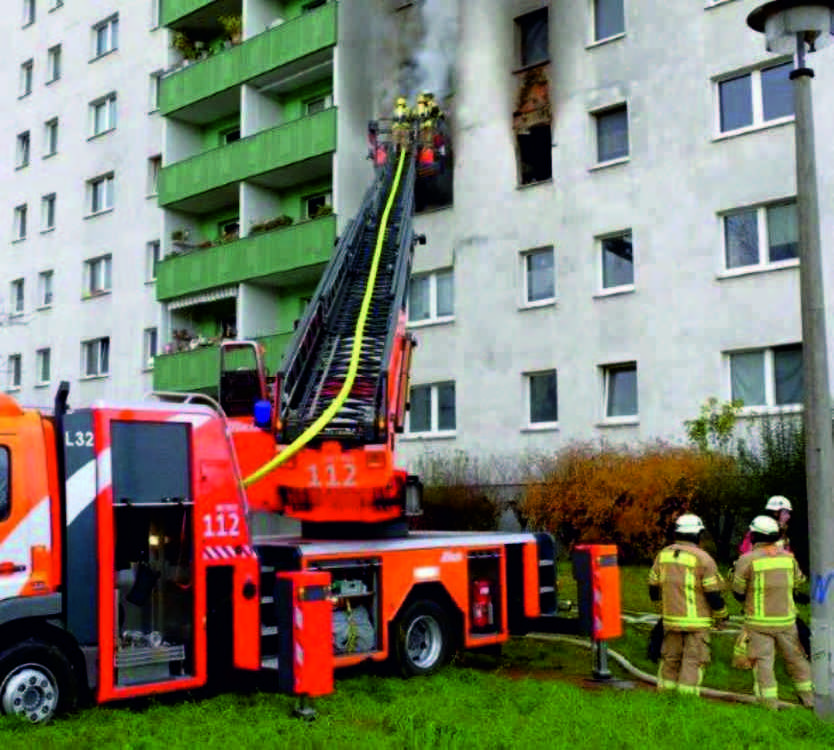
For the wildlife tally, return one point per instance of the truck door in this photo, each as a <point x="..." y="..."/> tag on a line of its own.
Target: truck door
<point x="24" y="513"/>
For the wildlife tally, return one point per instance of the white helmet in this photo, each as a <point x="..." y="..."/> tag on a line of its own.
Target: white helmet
<point x="689" y="523"/>
<point x="764" y="525"/>
<point x="778" y="502"/>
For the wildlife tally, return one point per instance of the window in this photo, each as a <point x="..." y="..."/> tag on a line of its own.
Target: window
<point x="767" y="377"/>
<point x="45" y="288"/>
<point x="318" y="104"/>
<point x="542" y="398"/>
<point x="50" y="137"/>
<point x="100" y="192"/>
<point x="229" y="136"/>
<point x="609" y="19"/>
<point x="53" y="63"/>
<point x="18" y="296"/>
<point x="752" y="99"/>
<point x="103" y="114"/>
<point x="15" y="366"/>
<point x="318" y="205"/>
<point x="28" y="12"/>
<point x="153" y="90"/>
<point x="20" y="222"/>
<point x="533" y="38"/>
<point x="149" y="341"/>
<point x="539" y="276"/>
<point x="617" y="261"/>
<point x="42" y="362"/>
<point x="5" y="483"/>
<point x="106" y="36"/>
<point x="153" y="254"/>
<point x="620" y="386"/>
<point x="95" y="357"/>
<point x="48" y="212"/>
<point x="612" y="133"/>
<point x="431" y="297"/>
<point x="154" y="165"/>
<point x="432" y="409"/>
<point x="26" y="73"/>
<point x="757" y="237"/>
<point x="22" y="150"/>
<point x="535" y="154"/>
<point x="97" y="275"/>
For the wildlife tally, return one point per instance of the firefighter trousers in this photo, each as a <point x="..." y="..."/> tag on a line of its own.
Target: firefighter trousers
<point x="683" y="657"/>
<point x="762" y="653"/>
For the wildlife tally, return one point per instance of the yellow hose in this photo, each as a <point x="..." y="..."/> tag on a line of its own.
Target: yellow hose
<point x="317" y="426"/>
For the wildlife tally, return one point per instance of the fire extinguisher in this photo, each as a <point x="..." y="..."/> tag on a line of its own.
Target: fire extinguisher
<point x="481" y="604"/>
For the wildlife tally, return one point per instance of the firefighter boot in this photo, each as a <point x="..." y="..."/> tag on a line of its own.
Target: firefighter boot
<point x="806" y="698"/>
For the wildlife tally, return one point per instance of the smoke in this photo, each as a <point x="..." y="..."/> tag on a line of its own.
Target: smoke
<point x="432" y="67"/>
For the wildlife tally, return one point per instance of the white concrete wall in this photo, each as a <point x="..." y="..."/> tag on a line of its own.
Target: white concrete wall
<point x="135" y="219"/>
<point x="681" y="315"/>
<point x="257" y="310"/>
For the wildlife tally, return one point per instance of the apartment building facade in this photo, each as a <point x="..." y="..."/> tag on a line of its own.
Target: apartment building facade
<point x="253" y="188"/>
<point x="623" y="239"/>
<point x="79" y="197"/>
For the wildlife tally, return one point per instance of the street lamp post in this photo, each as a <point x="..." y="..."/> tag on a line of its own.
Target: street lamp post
<point x="800" y="27"/>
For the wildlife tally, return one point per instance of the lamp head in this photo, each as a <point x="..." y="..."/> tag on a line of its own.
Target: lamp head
<point x="782" y="20"/>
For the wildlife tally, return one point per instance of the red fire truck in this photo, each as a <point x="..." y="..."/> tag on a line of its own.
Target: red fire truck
<point x="136" y="555"/>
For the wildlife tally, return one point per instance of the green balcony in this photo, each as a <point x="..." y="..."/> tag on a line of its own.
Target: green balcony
<point x="284" y="51"/>
<point x="275" y="258"/>
<point x="199" y="370"/>
<point x="172" y="11"/>
<point x="275" y="158"/>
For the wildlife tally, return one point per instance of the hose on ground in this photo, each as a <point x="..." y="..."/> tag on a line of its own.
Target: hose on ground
<point x="651" y="679"/>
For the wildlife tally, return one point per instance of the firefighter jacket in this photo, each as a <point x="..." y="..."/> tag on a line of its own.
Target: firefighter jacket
<point x="689" y="581"/>
<point x="766" y="578"/>
<point x="402" y="115"/>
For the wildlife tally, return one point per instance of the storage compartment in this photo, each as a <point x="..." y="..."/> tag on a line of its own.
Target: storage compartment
<point x="355" y="586"/>
<point x="485" y="594"/>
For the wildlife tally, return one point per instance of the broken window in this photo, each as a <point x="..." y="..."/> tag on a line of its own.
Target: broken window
<point x="531" y="122"/>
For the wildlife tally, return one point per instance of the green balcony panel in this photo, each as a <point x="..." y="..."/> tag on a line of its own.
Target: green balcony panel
<point x="199" y="369"/>
<point x="172" y="11"/>
<point x="267" y="254"/>
<point x="291" y="41"/>
<point x="266" y="152"/>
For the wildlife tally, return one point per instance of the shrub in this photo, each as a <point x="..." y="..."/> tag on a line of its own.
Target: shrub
<point x="455" y="497"/>
<point x="629" y="497"/>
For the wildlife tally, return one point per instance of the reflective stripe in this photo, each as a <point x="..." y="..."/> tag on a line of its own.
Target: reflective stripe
<point x="711" y="583"/>
<point x="773" y="563"/>
<point x="687" y="623"/>
<point x="804" y="687"/>
<point x="771" y="622"/>
<point x="688" y="561"/>
<point x="761" y="566"/>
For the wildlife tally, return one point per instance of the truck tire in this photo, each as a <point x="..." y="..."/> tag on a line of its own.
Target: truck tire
<point x="421" y="638"/>
<point x="36" y="681"/>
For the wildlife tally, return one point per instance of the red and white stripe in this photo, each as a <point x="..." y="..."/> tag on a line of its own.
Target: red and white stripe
<point x="227" y="551"/>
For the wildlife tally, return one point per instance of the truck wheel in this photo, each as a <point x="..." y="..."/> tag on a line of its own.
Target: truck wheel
<point x="421" y="638"/>
<point x="36" y="681"/>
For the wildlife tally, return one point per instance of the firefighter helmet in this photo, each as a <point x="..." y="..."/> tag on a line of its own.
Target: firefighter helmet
<point x="778" y="502"/>
<point x="689" y="523"/>
<point x="401" y="102"/>
<point x="764" y="525"/>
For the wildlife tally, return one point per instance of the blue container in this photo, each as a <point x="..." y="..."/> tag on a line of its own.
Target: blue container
<point x="263" y="413"/>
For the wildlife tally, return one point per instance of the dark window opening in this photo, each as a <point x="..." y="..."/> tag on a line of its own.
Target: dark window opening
<point x="534" y="37"/>
<point x="5" y="483"/>
<point x="535" y="155"/>
<point x="230" y="136"/>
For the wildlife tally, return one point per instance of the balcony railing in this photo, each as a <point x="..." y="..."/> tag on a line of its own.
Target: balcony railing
<point x="199" y="369"/>
<point x="257" y="56"/>
<point x="267" y="151"/>
<point x="265" y="254"/>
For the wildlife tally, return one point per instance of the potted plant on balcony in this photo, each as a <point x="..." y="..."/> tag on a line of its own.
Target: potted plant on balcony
<point x="179" y="235"/>
<point x="325" y="209"/>
<point x="185" y="47"/>
<point x="233" y="26"/>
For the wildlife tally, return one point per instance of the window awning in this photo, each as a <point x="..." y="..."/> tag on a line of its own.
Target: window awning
<point x="533" y="99"/>
<point x="223" y="292"/>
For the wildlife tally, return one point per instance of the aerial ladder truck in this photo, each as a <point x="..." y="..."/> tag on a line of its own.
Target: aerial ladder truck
<point x="129" y="562"/>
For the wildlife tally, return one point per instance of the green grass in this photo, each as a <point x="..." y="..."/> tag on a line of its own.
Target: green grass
<point x="461" y="707"/>
<point x="533" y="695"/>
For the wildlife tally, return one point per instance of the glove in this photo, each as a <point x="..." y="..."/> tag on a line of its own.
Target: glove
<point x="720" y="619"/>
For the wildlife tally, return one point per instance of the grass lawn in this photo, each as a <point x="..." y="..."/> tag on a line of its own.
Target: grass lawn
<point x="533" y="696"/>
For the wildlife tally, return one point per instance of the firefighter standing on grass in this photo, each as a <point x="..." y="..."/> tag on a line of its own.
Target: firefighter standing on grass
<point x="764" y="580"/>
<point x="685" y="579"/>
